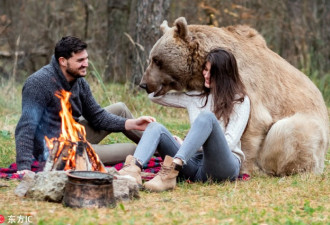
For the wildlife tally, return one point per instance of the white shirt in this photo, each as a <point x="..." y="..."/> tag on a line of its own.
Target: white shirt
<point x="194" y="105"/>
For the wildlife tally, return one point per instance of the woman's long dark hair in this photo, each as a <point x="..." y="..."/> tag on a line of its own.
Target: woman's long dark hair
<point x="225" y="83"/>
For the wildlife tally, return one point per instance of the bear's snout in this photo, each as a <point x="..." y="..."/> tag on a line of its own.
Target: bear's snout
<point x="144" y="86"/>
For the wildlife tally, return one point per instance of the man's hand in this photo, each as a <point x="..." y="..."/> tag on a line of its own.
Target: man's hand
<point x="140" y="123"/>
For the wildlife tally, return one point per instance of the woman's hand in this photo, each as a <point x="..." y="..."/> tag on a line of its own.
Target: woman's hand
<point x="140" y="123"/>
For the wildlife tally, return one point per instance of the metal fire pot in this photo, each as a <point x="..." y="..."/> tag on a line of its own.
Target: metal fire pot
<point x="89" y="189"/>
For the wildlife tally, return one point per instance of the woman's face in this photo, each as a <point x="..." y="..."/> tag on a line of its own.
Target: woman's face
<point x="207" y="74"/>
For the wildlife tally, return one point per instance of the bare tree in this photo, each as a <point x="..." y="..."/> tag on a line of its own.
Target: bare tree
<point x="117" y="47"/>
<point x="149" y="16"/>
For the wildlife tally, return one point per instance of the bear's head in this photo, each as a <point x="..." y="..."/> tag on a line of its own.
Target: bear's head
<point x="175" y="61"/>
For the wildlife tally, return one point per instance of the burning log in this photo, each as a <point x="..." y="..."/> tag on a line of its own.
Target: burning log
<point x="50" y="161"/>
<point x="82" y="162"/>
<point x="97" y="164"/>
<point x="62" y="156"/>
<point x="67" y="155"/>
<point x="71" y="151"/>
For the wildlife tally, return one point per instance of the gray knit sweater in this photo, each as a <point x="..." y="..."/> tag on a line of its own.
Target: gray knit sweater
<point x="40" y="112"/>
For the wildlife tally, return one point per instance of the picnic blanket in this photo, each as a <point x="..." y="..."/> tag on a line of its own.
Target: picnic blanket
<point x="148" y="170"/>
<point x="10" y="172"/>
<point x="148" y="173"/>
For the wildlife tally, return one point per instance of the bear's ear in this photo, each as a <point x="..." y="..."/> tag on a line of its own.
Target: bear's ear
<point x="164" y="27"/>
<point x="181" y="28"/>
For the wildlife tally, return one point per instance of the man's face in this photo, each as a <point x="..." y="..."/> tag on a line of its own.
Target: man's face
<point x="75" y="66"/>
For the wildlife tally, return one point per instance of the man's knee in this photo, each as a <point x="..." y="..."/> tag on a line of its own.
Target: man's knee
<point x="118" y="109"/>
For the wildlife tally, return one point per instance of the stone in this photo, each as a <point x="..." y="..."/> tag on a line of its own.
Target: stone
<point x="48" y="186"/>
<point x="112" y="171"/>
<point x="125" y="188"/>
<point x="26" y="183"/>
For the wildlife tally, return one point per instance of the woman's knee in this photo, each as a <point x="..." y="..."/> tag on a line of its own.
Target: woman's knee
<point x="155" y="126"/>
<point x="205" y="117"/>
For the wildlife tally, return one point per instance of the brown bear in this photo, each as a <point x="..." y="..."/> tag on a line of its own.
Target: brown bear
<point x="288" y="128"/>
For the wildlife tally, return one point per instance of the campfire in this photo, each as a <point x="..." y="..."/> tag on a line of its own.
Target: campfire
<point x="71" y="150"/>
<point x="73" y="173"/>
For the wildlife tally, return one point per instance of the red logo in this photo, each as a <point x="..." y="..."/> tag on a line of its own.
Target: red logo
<point x="2" y="219"/>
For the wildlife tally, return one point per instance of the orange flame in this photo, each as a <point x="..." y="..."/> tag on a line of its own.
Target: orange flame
<point x="71" y="133"/>
<point x="71" y="130"/>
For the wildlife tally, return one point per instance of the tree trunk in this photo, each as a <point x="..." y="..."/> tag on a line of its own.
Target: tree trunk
<point x="117" y="51"/>
<point x="149" y="15"/>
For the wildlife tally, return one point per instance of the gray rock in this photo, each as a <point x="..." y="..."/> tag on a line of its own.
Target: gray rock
<point x="26" y="183"/>
<point x="48" y="186"/>
<point x="112" y="171"/>
<point x="125" y="188"/>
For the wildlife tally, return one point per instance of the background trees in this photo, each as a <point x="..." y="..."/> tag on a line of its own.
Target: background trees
<point x="120" y="33"/>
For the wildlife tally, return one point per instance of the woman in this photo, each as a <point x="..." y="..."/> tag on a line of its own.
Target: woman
<point x="219" y="116"/>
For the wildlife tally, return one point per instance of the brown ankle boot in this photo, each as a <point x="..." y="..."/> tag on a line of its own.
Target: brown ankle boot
<point x="132" y="168"/>
<point x="166" y="177"/>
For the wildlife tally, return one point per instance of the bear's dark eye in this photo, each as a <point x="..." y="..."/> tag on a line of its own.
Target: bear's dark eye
<point x="157" y="62"/>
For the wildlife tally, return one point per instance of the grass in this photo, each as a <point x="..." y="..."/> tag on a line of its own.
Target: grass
<point x="299" y="199"/>
<point x="322" y="83"/>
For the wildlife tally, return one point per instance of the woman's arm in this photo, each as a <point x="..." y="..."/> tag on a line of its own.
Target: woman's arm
<point x="237" y="123"/>
<point x="173" y="99"/>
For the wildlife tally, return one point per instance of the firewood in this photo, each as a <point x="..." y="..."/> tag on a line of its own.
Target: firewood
<point x="96" y="162"/>
<point x="63" y="157"/>
<point x="81" y="157"/>
<point x="52" y="153"/>
<point x="68" y="155"/>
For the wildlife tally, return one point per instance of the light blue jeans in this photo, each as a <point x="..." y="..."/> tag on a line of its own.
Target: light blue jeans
<point x="215" y="162"/>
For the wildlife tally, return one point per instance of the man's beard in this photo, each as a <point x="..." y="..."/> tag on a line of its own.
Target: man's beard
<point x="74" y="73"/>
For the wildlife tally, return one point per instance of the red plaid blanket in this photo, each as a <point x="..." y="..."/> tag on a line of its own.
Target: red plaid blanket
<point x="10" y="173"/>
<point x="148" y="171"/>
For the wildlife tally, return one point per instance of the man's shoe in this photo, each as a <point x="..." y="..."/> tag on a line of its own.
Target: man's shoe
<point x="166" y="177"/>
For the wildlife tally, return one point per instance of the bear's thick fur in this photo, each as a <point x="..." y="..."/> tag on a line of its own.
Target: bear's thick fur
<point x="288" y="129"/>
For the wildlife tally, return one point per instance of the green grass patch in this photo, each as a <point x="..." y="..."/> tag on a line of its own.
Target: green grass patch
<point x="262" y="200"/>
<point x="322" y="83"/>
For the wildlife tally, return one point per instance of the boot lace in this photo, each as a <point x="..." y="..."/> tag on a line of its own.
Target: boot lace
<point x="128" y="164"/>
<point x="164" y="170"/>
<point x="132" y="162"/>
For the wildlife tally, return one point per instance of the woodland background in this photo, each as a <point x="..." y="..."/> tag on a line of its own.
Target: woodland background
<point x="120" y="33"/>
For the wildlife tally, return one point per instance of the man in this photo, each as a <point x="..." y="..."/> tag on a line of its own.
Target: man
<point x="40" y="108"/>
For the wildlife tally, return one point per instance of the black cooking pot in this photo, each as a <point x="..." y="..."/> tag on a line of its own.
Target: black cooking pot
<point x="89" y="189"/>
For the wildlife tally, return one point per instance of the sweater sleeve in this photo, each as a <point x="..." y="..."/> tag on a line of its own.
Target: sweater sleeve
<point x="97" y="116"/>
<point x="173" y="99"/>
<point x="33" y="105"/>
<point x="237" y="123"/>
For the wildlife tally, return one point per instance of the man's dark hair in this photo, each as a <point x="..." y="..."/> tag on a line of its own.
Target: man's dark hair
<point x="68" y="45"/>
